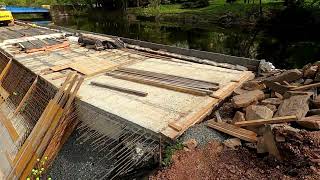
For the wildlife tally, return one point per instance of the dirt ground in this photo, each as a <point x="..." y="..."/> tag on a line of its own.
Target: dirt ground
<point x="217" y="162"/>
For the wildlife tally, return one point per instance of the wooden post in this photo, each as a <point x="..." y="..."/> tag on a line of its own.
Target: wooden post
<point x="5" y="71"/>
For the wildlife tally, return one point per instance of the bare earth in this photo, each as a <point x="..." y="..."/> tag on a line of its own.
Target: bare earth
<point x="301" y="161"/>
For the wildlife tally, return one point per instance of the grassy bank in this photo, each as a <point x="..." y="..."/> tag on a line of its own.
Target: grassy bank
<point x="216" y="9"/>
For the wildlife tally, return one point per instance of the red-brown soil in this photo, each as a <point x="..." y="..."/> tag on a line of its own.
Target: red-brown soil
<point x="216" y="162"/>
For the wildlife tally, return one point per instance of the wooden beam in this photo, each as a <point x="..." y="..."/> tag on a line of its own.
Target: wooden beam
<point x="234" y="131"/>
<point x="306" y="87"/>
<point x="62" y="112"/>
<point x="221" y="94"/>
<point x="120" y="89"/>
<point x="258" y="122"/>
<point x="160" y="84"/>
<point x="5" y="71"/>
<point x="9" y="126"/>
<point x="175" y="126"/>
<point x="25" y="98"/>
<point x="26" y="152"/>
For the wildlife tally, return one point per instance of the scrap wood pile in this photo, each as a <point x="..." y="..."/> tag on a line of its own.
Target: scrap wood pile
<point x="277" y="113"/>
<point x="37" y="45"/>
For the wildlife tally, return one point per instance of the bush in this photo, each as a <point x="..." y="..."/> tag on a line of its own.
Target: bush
<point x="195" y="4"/>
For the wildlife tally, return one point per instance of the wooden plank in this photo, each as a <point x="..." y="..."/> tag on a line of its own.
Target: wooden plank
<point x="175" y="126"/>
<point x="8" y="158"/>
<point x="5" y="71"/>
<point x="306" y="87"/>
<point x="160" y="84"/>
<point x="25" y="97"/>
<point x="117" y="88"/>
<point x="311" y="122"/>
<point x="9" y="126"/>
<point x="234" y="131"/>
<point x="166" y="76"/>
<point x="42" y="144"/>
<point x="4" y="94"/>
<point x="275" y="120"/>
<point x="33" y="139"/>
<point x="28" y="149"/>
<point x="222" y="93"/>
<point x="54" y="124"/>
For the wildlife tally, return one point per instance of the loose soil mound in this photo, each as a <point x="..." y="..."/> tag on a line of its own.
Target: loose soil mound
<point x="217" y="162"/>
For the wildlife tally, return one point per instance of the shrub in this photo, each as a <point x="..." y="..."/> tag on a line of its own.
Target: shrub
<point x="195" y="4"/>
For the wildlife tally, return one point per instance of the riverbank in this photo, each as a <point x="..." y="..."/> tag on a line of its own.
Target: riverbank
<point x="218" y="11"/>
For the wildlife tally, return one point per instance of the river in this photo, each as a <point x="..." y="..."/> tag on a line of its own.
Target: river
<point x="284" y="46"/>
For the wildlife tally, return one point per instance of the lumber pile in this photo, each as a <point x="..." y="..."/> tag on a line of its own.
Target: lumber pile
<point x="47" y="44"/>
<point x="278" y="98"/>
<point x="171" y="82"/>
<point x="45" y="138"/>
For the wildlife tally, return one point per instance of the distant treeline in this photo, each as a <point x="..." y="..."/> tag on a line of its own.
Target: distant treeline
<point x="104" y="3"/>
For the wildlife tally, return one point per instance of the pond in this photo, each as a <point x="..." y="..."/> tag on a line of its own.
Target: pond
<point x="284" y="46"/>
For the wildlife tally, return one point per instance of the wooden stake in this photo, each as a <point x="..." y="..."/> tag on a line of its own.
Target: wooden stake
<point x="258" y="122"/>
<point x="306" y="87"/>
<point x="234" y="131"/>
<point x="120" y="89"/>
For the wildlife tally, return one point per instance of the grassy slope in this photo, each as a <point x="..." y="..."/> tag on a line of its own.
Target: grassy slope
<point x="216" y="7"/>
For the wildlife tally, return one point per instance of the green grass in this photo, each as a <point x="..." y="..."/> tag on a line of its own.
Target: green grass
<point x="216" y="7"/>
<point x="169" y="151"/>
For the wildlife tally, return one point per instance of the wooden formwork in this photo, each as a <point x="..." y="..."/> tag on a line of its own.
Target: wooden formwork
<point x="31" y="80"/>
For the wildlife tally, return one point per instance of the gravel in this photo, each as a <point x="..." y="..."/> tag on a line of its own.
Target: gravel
<point x="202" y="134"/>
<point x="75" y="161"/>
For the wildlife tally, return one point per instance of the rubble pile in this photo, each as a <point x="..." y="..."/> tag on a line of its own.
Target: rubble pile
<point x="276" y="113"/>
<point x="273" y="127"/>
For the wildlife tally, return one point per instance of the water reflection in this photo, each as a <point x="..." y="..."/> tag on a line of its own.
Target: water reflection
<point x="246" y="42"/>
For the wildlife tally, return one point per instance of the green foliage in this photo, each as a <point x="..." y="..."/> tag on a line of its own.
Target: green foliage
<point x="169" y="151"/>
<point x="39" y="171"/>
<point x="195" y="4"/>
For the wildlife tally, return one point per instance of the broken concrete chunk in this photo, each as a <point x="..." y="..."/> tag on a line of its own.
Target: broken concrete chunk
<point x="310" y="72"/>
<point x="288" y="94"/>
<point x="190" y="144"/>
<point x="253" y="85"/>
<point x="289" y="76"/>
<point x="269" y="143"/>
<point x="273" y="108"/>
<point x="299" y="81"/>
<point x="239" y="91"/>
<point x="272" y="101"/>
<point x="308" y="81"/>
<point x="255" y="112"/>
<point x="276" y="87"/>
<point x="245" y="99"/>
<point x="239" y="116"/>
<point x="295" y="105"/>
<point x="312" y="112"/>
<point x="317" y="77"/>
<point x="316" y="102"/>
<point x="232" y="143"/>
<point x="311" y="122"/>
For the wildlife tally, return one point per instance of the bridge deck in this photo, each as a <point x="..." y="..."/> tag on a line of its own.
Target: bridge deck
<point x="26" y="10"/>
<point x="163" y="111"/>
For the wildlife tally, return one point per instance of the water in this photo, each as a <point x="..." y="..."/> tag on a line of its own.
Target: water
<point x="284" y="46"/>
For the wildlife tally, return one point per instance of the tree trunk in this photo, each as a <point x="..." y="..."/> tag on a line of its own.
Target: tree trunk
<point x="260" y="7"/>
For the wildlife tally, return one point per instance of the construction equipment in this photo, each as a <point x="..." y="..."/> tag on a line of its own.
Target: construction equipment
<point x="6" y="17"/>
